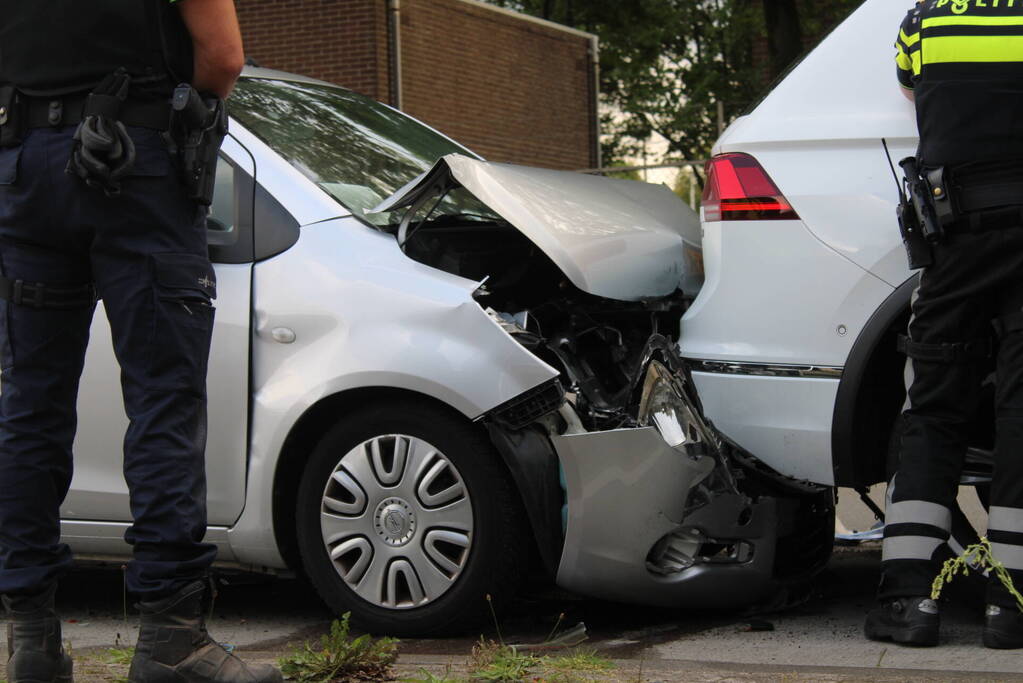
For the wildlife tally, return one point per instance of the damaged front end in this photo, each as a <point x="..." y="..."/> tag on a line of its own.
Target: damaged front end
<point x="655" y="512"/>
<point x="655" y="506"/>
<point x="631" y="494"/>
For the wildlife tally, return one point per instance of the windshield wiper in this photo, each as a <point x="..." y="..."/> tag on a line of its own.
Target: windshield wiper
<point x="447" y="218"/>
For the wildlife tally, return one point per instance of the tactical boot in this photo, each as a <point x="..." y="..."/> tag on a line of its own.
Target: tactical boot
<point x="1003" y="628"/>
<point x="35" y="652"/>
<point x="910" y="621"/>
<point x="174" y="646"/>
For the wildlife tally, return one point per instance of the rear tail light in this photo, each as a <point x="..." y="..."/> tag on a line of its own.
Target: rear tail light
<point x="739" y="189"/>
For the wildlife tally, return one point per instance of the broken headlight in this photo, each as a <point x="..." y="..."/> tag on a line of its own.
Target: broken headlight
<point x="664" y="407"/>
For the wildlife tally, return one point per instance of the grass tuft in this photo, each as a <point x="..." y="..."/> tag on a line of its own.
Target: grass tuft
<point x="582" y="662"/>
<point x="119" y="656"/>
<point x="425" y="676"/>
<point x="977" y="556"/>
<point x="340" y="657"/>
<point x="490" y="661"/>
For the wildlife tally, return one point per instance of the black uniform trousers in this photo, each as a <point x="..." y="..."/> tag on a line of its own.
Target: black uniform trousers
<point x="145" y="250"/>
<point x="975" y="282"/>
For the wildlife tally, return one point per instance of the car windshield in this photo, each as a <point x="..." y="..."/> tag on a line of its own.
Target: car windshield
<point x="357" y="150"/>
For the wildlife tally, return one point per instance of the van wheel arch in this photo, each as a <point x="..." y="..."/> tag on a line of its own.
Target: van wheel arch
<point x="870" y="394"/>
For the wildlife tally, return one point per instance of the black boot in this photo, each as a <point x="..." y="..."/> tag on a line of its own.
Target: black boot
<point x="35" y="652"/>
<point x="174" y="646"/>
<point x="1003" y="628"/>
<point x="910" y="621"/>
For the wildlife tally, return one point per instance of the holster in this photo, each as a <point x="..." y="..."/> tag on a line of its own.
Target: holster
<point x="12" y="120"/>
<point x="942" y="197"/>
<point x="919" y="252"/>
<point x="198" y="128"/>
<point x="920" y="196"/>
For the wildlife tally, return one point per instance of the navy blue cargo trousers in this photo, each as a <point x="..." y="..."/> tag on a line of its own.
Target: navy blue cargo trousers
<point x="145" y="252"/>
<point x="973" y="290"/>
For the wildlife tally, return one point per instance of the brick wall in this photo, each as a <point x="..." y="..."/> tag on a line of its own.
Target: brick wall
<point x="512" y="90"/>
<point x="509" y="88"/>
<point x="341" y="41"/>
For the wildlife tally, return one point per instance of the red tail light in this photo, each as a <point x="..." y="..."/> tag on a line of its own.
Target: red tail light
<point x="738" y="189"/>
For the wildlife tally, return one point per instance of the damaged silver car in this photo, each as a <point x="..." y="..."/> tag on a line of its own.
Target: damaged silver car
<point x="631" y="494"/>
<point x="431" y="373"/>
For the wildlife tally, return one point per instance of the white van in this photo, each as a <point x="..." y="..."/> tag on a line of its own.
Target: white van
<point x="793" y="337"/>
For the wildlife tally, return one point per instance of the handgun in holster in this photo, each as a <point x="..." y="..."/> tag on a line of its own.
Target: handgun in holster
<point x="925" y="211"/>
<point x="198" y="127"/>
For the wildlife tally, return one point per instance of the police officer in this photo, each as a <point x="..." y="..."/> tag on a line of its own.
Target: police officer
<point x="962" y="62"/>
<point x="121" y="226"/>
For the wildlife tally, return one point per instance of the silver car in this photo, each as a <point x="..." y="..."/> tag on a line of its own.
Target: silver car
<point x="429" y="371"/>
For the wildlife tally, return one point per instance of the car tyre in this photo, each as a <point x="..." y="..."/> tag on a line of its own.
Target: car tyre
<point x="399" y="530"/>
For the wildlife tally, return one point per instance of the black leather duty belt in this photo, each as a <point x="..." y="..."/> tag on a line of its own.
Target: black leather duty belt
<point x="41" y="112"/>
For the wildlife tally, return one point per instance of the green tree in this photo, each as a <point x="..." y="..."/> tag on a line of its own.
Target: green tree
<point x="668" y="65"/>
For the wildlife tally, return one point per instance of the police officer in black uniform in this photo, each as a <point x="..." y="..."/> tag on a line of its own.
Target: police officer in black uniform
<point x="93" y="206"/>
<point x="962" y="62"/>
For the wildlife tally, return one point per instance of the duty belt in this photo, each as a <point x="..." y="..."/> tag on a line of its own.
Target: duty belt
<point x="991" y="195"/>
<point x="41" y="112"/>
<point x="991" y="203"/>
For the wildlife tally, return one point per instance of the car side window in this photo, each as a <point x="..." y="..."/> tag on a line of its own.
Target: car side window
<point x="229" y="222"/>
<point x="222" y="217"/>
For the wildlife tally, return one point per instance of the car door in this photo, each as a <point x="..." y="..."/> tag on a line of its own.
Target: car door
<point x="98" y="491"/>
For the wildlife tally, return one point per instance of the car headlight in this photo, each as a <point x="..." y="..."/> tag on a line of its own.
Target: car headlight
<point x="664" y="407"/>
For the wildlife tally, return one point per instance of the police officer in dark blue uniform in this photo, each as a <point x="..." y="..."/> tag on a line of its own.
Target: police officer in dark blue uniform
<point x="93" y="206"/>
<point x="962" y="62"/>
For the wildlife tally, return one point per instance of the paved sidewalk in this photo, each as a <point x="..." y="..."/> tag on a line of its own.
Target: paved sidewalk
<point x="818" y="639"/>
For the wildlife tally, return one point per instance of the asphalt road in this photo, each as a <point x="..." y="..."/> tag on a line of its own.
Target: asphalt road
<point x="817" y="637"/>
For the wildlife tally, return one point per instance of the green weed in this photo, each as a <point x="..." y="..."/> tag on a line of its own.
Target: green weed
<point x="583" y="662"/>
<point x="490" y="661"/>
<point x="340" y="657"/>
<point x="978" y="556"/>
<point x="424" y="676"/>
<point x="119" y="656"/>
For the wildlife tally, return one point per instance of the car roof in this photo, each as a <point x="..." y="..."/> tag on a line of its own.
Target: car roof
<point x="260" y="72"/>
<point x="845" y="89"/>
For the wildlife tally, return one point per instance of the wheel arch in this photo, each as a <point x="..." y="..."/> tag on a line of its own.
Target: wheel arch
<point x="307" y="431"/>
<point x="870" y="393"/>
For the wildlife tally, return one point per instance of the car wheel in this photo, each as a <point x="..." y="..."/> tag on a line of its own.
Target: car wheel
<point x="406" y="518"/>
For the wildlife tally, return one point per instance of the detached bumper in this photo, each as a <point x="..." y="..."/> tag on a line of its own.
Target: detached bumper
<point x="627" y="521"/>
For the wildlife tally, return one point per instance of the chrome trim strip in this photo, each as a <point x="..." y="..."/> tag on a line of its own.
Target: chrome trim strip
<point x="765" y="370"/>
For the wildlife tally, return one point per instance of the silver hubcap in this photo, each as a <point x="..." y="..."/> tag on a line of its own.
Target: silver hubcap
<point x="397" y="521"/>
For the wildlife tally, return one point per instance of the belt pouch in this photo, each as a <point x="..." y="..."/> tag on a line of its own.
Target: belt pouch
<point x="11" y="120"/>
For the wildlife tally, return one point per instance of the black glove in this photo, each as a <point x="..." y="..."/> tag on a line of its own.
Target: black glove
<point x="103" y="152"/>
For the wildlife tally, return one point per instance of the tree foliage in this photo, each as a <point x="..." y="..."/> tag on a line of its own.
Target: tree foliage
<point x="667" y="64"/>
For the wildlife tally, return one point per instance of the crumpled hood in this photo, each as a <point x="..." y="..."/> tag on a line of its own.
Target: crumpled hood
<point x="618" y="239"/>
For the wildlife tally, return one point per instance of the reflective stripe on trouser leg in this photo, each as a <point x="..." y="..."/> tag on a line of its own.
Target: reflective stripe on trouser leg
<point x="908" y="373"/>
<point x="1009" y="555"/>
<point x="1005" y="529"/>
<point x="910" y="548"/>
<point x="914" y="529"/>
<point x="916" y="539"/>
<point x="919" y="512"/>
<point x="1005" y="519"/>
